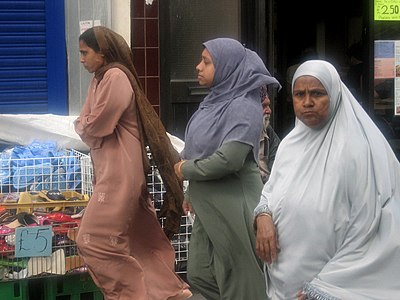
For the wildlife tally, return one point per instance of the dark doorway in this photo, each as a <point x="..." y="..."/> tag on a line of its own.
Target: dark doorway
<point x="278" y="30"/>
<point x="185" y="25"/>
<point x="308" y="29"/>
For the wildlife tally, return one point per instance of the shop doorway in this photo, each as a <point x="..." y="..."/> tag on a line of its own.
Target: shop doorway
<point x="306" y="30"/>
<point x="277" y="30"/>
<point x="184" y="26"/>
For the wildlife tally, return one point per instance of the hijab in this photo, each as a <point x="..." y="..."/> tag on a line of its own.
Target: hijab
<point x="334" y="194"/>
<point x="232" y="109"/>
<point x="117" y="54"/>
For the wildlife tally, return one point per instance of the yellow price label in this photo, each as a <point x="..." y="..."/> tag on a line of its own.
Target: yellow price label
<point x="386" y="10"/>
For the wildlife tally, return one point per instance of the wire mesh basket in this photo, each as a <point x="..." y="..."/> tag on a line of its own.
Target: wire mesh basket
<point x="27" y="199"/>
<point x="180" y="241"/>
<point x="62" y="172"/>
<point x="24" y="181"/>
<point x="63" y="258"/>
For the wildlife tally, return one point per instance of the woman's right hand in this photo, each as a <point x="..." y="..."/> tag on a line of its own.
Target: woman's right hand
<point x="301" y="295"/>
<point x="187" y="207"/>
<point x="178" y="170"/>
<point x="267" y="244"/>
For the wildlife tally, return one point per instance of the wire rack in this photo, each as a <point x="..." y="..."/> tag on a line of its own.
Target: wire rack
<point x="21" y="183"/>
<point x="180" y="241"/>
<point x="63" y="172"/>
<point x="24" y="183"/>
<point x="63" y="259"/>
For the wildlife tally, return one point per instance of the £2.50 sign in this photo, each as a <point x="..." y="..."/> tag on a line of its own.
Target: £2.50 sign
<point x="387" y="10"/>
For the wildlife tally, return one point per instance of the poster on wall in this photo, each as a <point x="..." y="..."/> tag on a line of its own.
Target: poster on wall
<point x="397" y="79"/>
<point x="387" y="75"/>
<point x="84" y="25"/>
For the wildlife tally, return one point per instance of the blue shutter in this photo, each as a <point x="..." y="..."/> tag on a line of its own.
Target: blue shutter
<point x="33" y="76"/>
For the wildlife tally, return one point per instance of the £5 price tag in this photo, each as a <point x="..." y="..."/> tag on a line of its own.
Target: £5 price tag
<point x="33" y="241"/>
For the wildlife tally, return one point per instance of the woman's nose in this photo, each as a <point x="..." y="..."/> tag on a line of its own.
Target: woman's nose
<point x="308" y="100"/>
<point x="198" y="67"/>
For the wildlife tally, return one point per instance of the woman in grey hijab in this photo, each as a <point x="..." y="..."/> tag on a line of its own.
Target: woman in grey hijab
<point x="333" y="199"/>
<point x="220" y="163"/>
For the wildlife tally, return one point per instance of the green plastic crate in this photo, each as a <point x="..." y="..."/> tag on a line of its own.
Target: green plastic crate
<point x="14" y="290"/>
<point x="71" y="287"/>
<point x="66" y="287"/>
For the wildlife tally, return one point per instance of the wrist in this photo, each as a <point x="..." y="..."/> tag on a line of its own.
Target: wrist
<point x="264" y="214"/>
<point x="262" y="209"/>
<point x="180" y="168"/>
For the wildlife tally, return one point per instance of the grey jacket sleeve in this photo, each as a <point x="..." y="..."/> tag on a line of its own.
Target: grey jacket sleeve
<point x="229" y="158"/>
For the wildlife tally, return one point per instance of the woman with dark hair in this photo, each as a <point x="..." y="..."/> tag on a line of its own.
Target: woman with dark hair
<point x="220" y="161"/>
<point x="120" y="238"/>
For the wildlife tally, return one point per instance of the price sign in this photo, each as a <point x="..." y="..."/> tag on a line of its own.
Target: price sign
<point x="33" y="241"/>
<point x="387" y="10"/>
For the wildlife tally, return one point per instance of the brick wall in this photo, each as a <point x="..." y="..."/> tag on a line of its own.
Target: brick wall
<point x="145" y="47"/>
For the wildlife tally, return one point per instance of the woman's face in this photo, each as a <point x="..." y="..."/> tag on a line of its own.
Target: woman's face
<point x="310" y="101"/>
<point x="90" y="59"/>
<point x="205" y="69"/>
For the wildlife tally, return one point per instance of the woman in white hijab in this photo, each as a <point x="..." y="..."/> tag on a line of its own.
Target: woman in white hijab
<point x="328" y="222"/>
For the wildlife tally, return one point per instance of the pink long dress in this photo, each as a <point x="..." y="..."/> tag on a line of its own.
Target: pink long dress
<point x="120" y="238"/>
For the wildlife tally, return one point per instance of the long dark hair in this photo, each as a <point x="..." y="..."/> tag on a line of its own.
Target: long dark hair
<point x="89" y="38"/>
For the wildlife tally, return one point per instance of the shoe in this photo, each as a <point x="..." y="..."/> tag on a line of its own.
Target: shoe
<point x="55" y="195"/>
<point x="184" y="294"/>
<point x="23" y="219"/>
<point x="54" y="264"/>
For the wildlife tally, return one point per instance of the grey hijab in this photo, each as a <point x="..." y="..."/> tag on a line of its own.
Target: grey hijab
<point x="232" y="110"/>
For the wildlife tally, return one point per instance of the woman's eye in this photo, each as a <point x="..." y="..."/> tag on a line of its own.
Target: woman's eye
<point x="298" y="94"/>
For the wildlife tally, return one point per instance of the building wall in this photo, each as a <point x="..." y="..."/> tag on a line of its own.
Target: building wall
<point x="114" y="14"/>
<point x="121" y="18"/>
<point x="145" y="46"/>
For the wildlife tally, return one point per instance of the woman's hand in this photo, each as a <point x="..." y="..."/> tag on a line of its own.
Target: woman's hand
<point x="187" y="207"/>
<point x="188" y="211"/>
<point x="267" y="245"/>
<point x="178" y="169"/>
<point x="301" y="296"/>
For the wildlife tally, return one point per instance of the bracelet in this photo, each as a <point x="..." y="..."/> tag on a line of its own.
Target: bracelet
<point x="264" y="208"/>
<point x="260" y="214"/>
<point x="265" y="214"/>
<point x="180" y="167"/>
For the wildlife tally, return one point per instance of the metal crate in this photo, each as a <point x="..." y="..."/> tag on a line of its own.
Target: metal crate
<point x="64" y="258"/>
<point x="63" y="172"/>
<point x="23" y="182"/>
<point x="180" y="241"/>
<point x="72" y="171"/>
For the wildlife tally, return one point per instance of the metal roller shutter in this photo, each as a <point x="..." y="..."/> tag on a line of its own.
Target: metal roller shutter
<point x="33" y="75"/>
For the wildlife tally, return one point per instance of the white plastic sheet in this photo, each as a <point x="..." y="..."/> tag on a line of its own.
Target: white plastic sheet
<point x="22" y="129"/>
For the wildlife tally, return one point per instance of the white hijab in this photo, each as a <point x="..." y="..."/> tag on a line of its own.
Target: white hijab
<point x="335" y="197"/>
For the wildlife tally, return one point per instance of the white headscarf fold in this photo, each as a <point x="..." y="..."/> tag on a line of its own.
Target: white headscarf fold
<point x="335" y="197"/>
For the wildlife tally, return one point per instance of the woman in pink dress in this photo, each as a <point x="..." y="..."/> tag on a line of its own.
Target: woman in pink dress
<point x="120" y="238"/>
